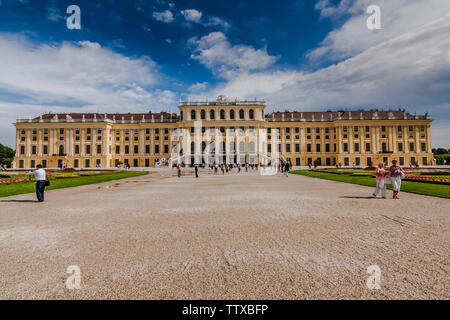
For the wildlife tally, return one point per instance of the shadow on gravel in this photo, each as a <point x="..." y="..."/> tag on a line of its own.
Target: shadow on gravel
<point x="17" y="201"/>
<point x="355" y="197"/>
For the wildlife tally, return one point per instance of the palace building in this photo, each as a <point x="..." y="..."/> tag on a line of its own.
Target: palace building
<point x="223" y="131"/>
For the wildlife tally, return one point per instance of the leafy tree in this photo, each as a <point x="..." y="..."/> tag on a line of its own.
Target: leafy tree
<point x="441" y="151"/>
<point x="6" y="155"/>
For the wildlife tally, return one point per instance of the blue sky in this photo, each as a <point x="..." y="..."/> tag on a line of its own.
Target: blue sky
<point x="298" y="55"/>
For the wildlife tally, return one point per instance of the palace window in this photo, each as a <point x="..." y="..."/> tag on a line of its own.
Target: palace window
<point x="45" y="151"/>
<point x="400" y="146"/>
<point x="345" y="147"/>
<point x="88" y="149"/>
<point x="308" y="130"/>
<point x="411" y="128"/>
<point x="318" y="147"/>
<point x="147" y="148"/>
<point x="192" y="114"/>
<point x="345" y="129"/>
<point x="203" y="115"/>
<point x="399" y="128"/>
<point x="327" y="147"/>
<point x="45" y="131"/>
<point x="136" y="149"/>
<point x="88" y="130"/>
<point x="117" y="149"/>
<point x="99" y="149"/>
<point x="423" y="146"/>
<point x="308" y="147"/>
<point x="166" y="148"/>
<point x="356" y="147"/>
<point x="355" y="128"/>
<point x="241" y="114"/>
<point x="367" y="147"/>
<point x="222" y="114"/>
<point x="127" y="149"/>
<point x="297" y="130"/>
<point x="288" y="147"/>
<point x="211" y="114"/>
<point x="251" y="114"/>
<point x="422" y="128"/>
<point x="384" y="147"/>
<point x="232" y="114"/>
<point x="411" y="146"/>
<point x="297" y="148"/>
<point x="317" y="130"/>
<point x="61" y="131"/>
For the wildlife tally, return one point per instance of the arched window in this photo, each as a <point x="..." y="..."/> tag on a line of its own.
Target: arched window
<point x="241" y="147"/>
<point x="203" y="115"/>
<point x="232" y="114"/>
<point x="251" y="114"/>
<point x="232" y="147"/>
<point x="252" y="147"/>
<point x="192" y="147"/>
<point x="192" y="114"/>
<point x="241" y="114"/>
<point x="383" y="147"/>
<point x="211" y="114"/>
<point x="61" y="150"/>
<point x="222" y="114"/>
<point x="181" y="115"/>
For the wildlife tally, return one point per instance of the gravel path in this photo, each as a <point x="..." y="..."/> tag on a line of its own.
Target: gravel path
<point x="223" y="237"/>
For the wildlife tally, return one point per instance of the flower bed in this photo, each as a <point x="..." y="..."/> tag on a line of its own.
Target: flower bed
<point x="439" y="180"/>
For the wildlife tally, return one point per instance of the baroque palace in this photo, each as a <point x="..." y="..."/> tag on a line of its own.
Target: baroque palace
<point x="359" y="138"/>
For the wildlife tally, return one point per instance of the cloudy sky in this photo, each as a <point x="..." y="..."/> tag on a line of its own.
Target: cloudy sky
<point x="142" y="55"/>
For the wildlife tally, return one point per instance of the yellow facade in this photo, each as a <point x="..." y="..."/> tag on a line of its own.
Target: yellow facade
<point x="245" y="132"/>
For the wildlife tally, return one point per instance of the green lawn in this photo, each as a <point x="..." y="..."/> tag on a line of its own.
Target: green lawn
<point x="27" y="187"/>
<point x="428" y="189"/>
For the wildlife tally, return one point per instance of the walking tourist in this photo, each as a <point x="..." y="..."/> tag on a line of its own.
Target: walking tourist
<point x="380" y="174"/>
<point x="196" y="170"/>
<point x="179" y="170"/>
<point x="39" y="176"/>
<point x="396" y="173"/>
<point x="286" y="169"/>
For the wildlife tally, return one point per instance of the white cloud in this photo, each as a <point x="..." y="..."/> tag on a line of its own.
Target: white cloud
<point x="165" y="16"/>
<point x="53" y="14"/>
<point x="216" y="53"/>
<point x="409" y="71"/>
<point x="192" y="15"/>
<point x="217" y="22"/>
<point x="82" y="74"/>
<point x="199" y="86"/>
<point x="397" y="18"/>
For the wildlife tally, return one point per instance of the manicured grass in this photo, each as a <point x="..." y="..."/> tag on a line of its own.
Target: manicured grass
<point x="28" y="187"/>
<point x="428" y="189"/>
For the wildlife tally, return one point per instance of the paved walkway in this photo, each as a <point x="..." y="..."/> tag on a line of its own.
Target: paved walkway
<point x="232" y="237"/>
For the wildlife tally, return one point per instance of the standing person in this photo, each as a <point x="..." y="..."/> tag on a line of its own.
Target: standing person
<point x="179" y="170"/>
<point x="215" y="168"/>
<point x="396" y="173"/>
<point x="239" y="168"/>
<point x="39" y="176"/>
<point x="286" y="169"/>
<point x="246" y="167"/>
<point x="380" y="174"/>
<point x="196" y="170"/>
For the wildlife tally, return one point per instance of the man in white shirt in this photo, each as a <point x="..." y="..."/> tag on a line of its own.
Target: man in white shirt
<point x="39" y="175"/>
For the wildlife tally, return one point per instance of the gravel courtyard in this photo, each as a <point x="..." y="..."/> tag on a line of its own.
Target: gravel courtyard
<point x="223" y="237"/>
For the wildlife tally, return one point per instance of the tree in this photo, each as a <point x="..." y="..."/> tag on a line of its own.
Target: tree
<point x="6" y="155"/>
<point x="441" y="151"/>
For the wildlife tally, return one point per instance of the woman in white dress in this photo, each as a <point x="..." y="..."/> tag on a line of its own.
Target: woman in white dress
<point x="396" y="173"/>
<point x="379" y="174"/>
